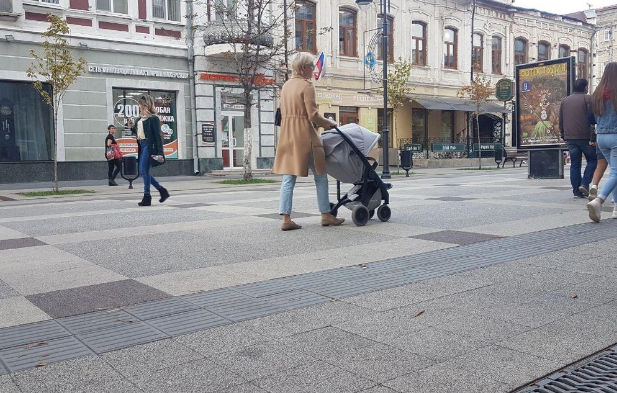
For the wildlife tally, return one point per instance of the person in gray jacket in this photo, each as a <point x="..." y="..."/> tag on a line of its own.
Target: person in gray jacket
<point x="578" y="133"/>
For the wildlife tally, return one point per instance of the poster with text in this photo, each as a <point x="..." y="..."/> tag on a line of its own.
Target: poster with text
<point x="540" y="87"/>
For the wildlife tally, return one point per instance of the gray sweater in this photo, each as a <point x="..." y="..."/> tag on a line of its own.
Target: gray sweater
<point x="573" y="122"/>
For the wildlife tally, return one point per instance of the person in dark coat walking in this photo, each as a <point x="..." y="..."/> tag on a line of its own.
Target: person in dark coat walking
<point x="150" y="143"/>
<point x="110" y="140"/>
<point x="575" y="129"/>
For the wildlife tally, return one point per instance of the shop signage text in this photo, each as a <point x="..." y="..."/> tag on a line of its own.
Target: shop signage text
<point x="413" y="147"/>
<point x="504" y="89"/>
<point x="260" y="79"/>
<point x="137" y="72"/>
<point x="487" y="146"/>
<point x="208" y="134"/>
<point x="448" y="147"/>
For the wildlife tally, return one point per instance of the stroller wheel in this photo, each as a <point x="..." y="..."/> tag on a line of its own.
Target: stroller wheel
<point x="371" y="213"/>
<point x="333" y="212"/>
<point x="360" y="215"/>
<point x="384" y="213"/>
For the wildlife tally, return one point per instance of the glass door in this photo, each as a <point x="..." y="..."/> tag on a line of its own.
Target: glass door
<point x="232" y="126"/>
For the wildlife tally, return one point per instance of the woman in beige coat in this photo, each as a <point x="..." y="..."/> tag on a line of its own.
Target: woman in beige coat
<point x="299" y="147"/>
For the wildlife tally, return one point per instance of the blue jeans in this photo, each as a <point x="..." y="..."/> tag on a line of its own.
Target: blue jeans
<point x="608" y="147"/>
<point x="144" y="168"/>
<point x="578" y="147"/>
<point x="287" y="192"/>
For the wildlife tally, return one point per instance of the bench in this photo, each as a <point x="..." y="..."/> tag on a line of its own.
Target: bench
<point x="512" y="154"/>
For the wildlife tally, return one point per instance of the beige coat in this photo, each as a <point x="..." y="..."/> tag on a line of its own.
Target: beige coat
<point x="298" y="136"/>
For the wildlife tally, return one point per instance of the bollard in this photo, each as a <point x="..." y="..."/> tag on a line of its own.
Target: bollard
<point x="406" y="160"/>
<point x="130" y="169"/>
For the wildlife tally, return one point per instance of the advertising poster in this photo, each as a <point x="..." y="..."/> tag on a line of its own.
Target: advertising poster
<point x="126" y="106"/>
<point x="540" y="87"/>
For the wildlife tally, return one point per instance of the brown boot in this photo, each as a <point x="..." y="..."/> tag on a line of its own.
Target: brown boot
<point x="330" y="220"/>
<point x="290" y="226"/>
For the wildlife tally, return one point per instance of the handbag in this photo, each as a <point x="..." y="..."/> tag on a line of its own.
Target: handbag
<point x="110" y="153"/>
<point x="117" y="152"/>
<point x="278" y="117"/>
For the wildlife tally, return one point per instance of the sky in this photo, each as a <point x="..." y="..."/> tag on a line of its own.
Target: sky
<point x="563" y="6"/>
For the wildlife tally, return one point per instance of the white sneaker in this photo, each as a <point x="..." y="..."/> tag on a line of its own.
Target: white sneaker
<point x="595" y="210"/>
<point x="614" y="212"/>
<point x="593" y="193"/>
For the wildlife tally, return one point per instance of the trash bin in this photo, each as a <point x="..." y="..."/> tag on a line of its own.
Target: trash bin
<point x="130" y="169"/>
<point x="406" y="160"/>
<point x="498" y="156"/>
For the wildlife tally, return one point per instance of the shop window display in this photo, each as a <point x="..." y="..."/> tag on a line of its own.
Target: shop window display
<point x="26" y="123"/>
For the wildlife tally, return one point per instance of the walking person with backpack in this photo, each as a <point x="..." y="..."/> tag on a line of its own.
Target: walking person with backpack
<point x="112" y="155"/>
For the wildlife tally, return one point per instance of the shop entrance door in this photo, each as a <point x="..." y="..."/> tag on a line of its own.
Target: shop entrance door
<point x="233" y="140"/>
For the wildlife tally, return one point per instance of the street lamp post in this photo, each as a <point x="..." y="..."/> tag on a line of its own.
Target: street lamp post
<point x="384" y="5"/>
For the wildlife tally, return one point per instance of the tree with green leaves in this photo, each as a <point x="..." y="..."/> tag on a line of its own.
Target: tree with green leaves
<point x="398" y="85"/>
<point x="478" y="92"/>
<point x="257" y="48"/>
<point x="57" y="68"/>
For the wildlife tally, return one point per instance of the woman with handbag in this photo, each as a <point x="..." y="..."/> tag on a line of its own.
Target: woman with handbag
<point x="111" y="154"/>
<point x="150" y="145"/>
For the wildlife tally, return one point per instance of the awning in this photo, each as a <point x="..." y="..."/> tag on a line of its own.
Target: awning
<point x="457" y="104"/>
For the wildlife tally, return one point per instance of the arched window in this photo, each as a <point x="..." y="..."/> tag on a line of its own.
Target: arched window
<point x="347" y="33"/>
<point x="477" y="57"/>
<point x="496" y="52"/>
<point x="450" y="47"/>
<point x="564" y="51"/>
<point x="582" y="61"/>
<point x="544" y="51"/>
<point x="418" y="43"/>
<point x="520" y="51"/>
<point x="390" y="40"/>
<point x="305" y="27"/>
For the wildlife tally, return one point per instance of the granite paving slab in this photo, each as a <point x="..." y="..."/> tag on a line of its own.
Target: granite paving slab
<point x="20" y="243"/>
<point x="456" y="237"/>
<point x="7" y="291"/>
<point x="119" y="337"/>
<point x="43" y="353"/>
<point x="222" y="339"/>
<point x="91" y="298"/>
<point x="17" y="310"/>
<point x="7" y="385"/>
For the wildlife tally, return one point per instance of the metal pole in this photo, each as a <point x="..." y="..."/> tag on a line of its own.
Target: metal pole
<point x="385" y="173"/>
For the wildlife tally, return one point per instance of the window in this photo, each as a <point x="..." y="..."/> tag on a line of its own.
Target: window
<point x="419" y="125"/>
<point x="496" y="51"/>
<point x="6" y="6"/>
<point x="26" y="123"/>
<point x="380" y="127"/>
<point x="477" y="51"/>
<point x="447" y="126"/>
<point x="390" y="40"/>
<point x="166" y="9"/>
<point x="117" y="6"/>
<point x="126" y="106"/>
<point x="581" y="64"/>
<point x="608" y="34"/>
<point x="305" y="27"/>
<point x="347" y="33"/>
<point x="450" y="48"/>
<point x="564" y="51"/>
<point x="418" y="43"/>
<point x="544" y="51"/>
<point x="520" y="51"/>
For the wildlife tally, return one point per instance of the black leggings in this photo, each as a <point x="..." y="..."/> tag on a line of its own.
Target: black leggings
<point x="111" y="174"/>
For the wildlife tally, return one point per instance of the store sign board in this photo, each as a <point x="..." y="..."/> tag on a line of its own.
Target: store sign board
<point x="208" y="134"/>
<point x="504" y="89"/>
<point x="260" y="79"/>
<point x="487" y="147"/>
<point x="137" y="72"/>
<point x="413" y="147"/>
<point x="448" y="147"/>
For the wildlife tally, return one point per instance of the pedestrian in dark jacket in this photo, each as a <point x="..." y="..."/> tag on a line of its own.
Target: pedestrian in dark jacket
<point x="150" y="143"/>
<point x="575" y="129"/>
<point x="110" y="140"/>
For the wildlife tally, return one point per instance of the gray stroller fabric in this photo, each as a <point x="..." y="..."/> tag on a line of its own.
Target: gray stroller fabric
<point x="342" y="163"/>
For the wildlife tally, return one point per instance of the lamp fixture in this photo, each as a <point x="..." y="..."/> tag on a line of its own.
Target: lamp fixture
<point x="83" y="45"/>
<point x="9" y="37"/>
<point x="364" y="4"/>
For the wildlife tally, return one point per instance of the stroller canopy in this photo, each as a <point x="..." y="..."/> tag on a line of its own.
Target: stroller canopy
<point x="342" y="162"/>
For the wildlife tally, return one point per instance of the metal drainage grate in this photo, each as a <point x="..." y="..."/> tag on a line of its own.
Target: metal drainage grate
<point x="597" y="375"/>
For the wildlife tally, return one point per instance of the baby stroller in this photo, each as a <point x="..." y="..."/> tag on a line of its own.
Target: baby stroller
<point x="346" y="148"/>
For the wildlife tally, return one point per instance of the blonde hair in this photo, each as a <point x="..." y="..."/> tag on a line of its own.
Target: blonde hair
<point x="147" y="102"/>
<point x="302" y="59"/>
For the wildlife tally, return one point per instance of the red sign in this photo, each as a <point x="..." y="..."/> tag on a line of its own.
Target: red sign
<point x="260" y="79"/>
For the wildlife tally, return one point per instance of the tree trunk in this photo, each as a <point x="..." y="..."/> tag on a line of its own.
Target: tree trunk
<point x="477" y="125"/>
<point x="56" y="147"/>
<point x="248" y="139"/>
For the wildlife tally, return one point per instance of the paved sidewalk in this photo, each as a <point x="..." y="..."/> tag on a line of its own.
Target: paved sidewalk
<point x="480" y="282"/>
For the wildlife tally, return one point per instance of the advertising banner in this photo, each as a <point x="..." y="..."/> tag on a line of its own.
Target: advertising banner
<point x="540" y="87"/>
